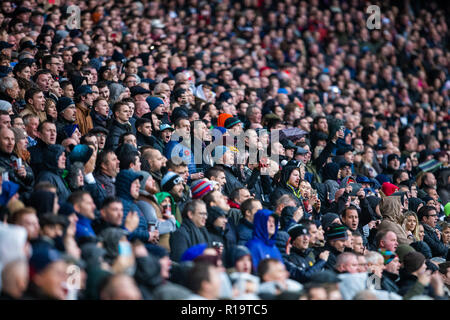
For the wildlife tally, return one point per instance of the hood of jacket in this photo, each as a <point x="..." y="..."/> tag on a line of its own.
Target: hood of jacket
<point x="42" y="201"/>
<point x="123" y="183"/>
<point x="330" y="171"/>
<point x="285" y="174"/>
<point x="148" y="271"/>
<point x="260" y="226"/>
<point x="110" y="238"/>
<point x="50" y="158"/>
<point x="287" y="215"/>
<point x="414" y="203"/>
<point x="332" y="186"/>
<point x="213" y="214"/>
<point x="160" y="196"/>
<point x="391" y="209"/>
<point x="442" y="179"/>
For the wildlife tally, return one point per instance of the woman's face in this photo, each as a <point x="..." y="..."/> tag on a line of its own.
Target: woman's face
<point x="51" y="111"/>
<point x="421" y="232"/>
<point x="446" y="235"/>
<point x="410" y="223"/>
<point x="76" y="135"/>
<point x="22" y="144"/>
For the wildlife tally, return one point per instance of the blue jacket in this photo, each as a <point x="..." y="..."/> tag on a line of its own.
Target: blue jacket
<point x="245" y="231"/>
<point x="261" y="246"/>
<point x="123" y="184"/>
<point x="84" y="227"/>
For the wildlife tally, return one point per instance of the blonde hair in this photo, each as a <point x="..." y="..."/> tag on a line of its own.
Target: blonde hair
<point x="416" y="228"/>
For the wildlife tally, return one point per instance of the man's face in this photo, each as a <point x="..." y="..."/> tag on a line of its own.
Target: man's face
<point x="431" y="218"/>
<point x="32" y="126"/>
<point x="52" y="280"/>
<point x="87" y="207"/>
<point x="112" y="165"/>
<point x="277" y="272"/>
<point x="338" y="244"/>
<point x="134" y="189"/>
<point x="166" y="135"/>
<point x="183" y="172"/>
<point x="358" y="246"/>
<point x="104" y="92"/>
<point x="5" y="121"/>
<point x="130" y="139"/>
<point x="53" y="66"/>
<point x="156" y="161"/>
<point x="43" y="81"/>
<point x="221" y="179"/>
<point x="352" y="265"/>
<point x="390" y="242"/>
<point x="48" y="133"/>
<point x="294" y="178"/>
<point x="69" y="113"/>
<point x="68" y="91"/>
<point x="394" y="164"/>
<point x="244" y="194"/>
<point x="199" y="216"/>
<point x="349" y="157"/>
<point x="184" y="128"/>
<point x="302" y="242"/>
<point x="102" y="108"/>
<point x="393" y="266"/>
<point x="145" y="129"/>
<point x="351" y="219"/>
<point x="322" y="125"/>
<point x="30" y="222"/>
<point x="7" y="140"/>
<point x="430" y="180"/>
<point x="113" y="213"/>
<point x="271" y="226"/>
<point x="313" y="234"/>
<point x="38" y="101"/>
<point x="177" y="190"/>
<point x="220" y="201"/>
<point x="122" y="114"/>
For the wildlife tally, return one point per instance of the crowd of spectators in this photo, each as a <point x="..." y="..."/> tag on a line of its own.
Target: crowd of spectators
<point x="188" y="149"/>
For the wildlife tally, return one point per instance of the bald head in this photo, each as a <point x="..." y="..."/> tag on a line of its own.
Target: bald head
<point x="142" y="108"/>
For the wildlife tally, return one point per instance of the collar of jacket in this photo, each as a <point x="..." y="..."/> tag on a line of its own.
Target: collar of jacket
<point x="332" y="249"/>
<point x="296" y="192"/>
<point x="5" y="155"/>
<point x="246" y="223"/>
<point x="392" y="276"/>
<point x="428" y="228"/>
<point x="126" y="125"/>
<point x="301" y="252"/>
<point x="83" y="220"/>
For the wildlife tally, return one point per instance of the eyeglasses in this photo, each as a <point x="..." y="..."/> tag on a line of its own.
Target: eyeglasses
<point x="204" y="214"/>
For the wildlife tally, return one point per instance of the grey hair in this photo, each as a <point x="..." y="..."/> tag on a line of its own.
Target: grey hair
<point x="373" y="257"/>
<point x="7" y="83"/>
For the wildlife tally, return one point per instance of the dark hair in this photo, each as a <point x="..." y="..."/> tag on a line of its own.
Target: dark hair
<point x="29" y="94"/>
<point x="424" y="212"/>
<point x="128" y="158"/>
<point x="101" y="157"/>
<point x="366" y="132"/>
<point x="197" y="274"/>
<point x="351" y="207"/>
<point x="380" y="236"/>
<point x="397" y="175"/>
<point x="39" y="72"/>
<point x="264" y="267"/>
<point x="444" y="266"/>
<point x="247" y="205"/>
<point x="109" y="200"/>
<point x="191" y="206"/>
<point x="77" y="197"/>
<point x="235" y="193"/>
<point x="44" y="186"/>
<point x="41" y="125"/>
<point x="116" y="106"/>
<point x="209" y="197"/>
<point x="213" y="172"/>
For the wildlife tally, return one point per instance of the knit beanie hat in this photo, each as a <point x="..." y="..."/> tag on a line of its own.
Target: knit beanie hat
<point x="388" y="188"/>
<point x="193" y="252"/>
<point x="70" y="129"/>
<point x="388" y="256"/>
<point x="154" y="102"/>
<point x="403" y="250"/>
<point x="63" y="103"/>
<point x="239" y="252"/>
<point x="297" y="230"/>
<point x="336" y="232"/>
<point x="200" y="188"/>
<point x="170" y="180"/>
<point x="221" y="119"/>
<point x="413" y="261"/>
<point x="327" y="219"/>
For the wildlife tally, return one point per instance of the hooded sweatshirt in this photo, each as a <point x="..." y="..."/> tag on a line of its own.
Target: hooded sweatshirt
<point x="284" y="188"/>
<point x="261" y="246"/>
<point x="52" y="173"/>
<point x="123" y="185"/>
<point x="391" y="210"/>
